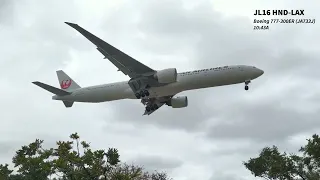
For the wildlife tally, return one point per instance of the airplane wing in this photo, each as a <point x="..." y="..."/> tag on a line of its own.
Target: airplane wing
<point x="151" y="102"/>
<point x="152" y="111"/>
<point x="128" y="65"/>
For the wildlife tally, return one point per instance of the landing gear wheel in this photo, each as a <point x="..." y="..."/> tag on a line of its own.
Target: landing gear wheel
<point x="155" y="106"/>
<point x="148" y="109"/>
<point x="246" y="87"/>
<point x="151" y="108"/>
<point x="138" y="95"/>
<point x="146" y="92"/>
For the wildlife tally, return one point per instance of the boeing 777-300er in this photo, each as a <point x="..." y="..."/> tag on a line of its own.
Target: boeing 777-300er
<point x="154" y="87"/>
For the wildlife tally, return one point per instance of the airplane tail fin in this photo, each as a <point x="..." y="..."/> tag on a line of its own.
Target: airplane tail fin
<point x="67" y="86"/>
<point x="66" y="83"/>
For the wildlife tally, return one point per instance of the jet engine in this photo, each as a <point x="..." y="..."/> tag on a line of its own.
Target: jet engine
<point x="166" y="75"/>
<point x="179" y="102"/>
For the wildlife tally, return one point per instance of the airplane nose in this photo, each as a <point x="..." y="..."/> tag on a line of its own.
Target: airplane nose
<point x="257" y="72"/>
<point x="260" y="72"/>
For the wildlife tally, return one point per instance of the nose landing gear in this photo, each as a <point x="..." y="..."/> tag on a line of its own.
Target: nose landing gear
<point x="246" y="87"/>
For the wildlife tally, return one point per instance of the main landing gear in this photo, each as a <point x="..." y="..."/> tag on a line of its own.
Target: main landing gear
<point x="150" y="104"/>
<point x="246" y="87"/>
<point x="142" y="93"/>
<point x="151" y="107"/>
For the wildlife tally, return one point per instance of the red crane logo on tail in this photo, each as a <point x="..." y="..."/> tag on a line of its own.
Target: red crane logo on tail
<point x="65" y="84"/>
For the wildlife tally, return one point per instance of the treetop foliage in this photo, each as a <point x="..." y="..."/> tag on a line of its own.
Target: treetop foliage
<point x="72" y="160"/>
<point x="272" y="164"/>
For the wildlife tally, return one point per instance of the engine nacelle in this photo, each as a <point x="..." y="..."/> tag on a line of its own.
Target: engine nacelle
<point x="179" y="102"/>
<point x="166" y="75"/>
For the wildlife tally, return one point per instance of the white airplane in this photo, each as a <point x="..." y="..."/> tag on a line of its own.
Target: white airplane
<point x="154" y="88"/>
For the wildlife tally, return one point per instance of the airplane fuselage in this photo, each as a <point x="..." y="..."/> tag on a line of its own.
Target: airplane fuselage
<point x="198" y="79"/>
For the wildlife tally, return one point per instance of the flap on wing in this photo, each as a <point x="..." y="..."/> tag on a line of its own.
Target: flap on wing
<point x="120" y="66"/>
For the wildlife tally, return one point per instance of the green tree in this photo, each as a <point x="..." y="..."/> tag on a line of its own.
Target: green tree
<point x="72" y="160"/>
<point x="304" y="165"/>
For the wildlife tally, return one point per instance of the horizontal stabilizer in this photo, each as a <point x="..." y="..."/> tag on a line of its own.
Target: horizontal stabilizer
<point x="68" y="103"/>
<point x="52" y="89"/>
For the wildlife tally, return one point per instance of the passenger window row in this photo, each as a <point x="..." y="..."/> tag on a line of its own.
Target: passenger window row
<point x="205" y="70"/>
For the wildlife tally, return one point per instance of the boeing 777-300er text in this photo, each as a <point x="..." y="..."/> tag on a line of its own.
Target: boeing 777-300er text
<point x="154" y="88"/>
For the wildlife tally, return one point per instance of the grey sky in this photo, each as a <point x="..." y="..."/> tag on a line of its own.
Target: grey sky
<point x="221" y="127"/>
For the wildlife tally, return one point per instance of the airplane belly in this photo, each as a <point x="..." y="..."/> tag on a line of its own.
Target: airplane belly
<point x="128" y="94"/>
<point x="195" y="81"/>
<point x="198" y="81"/>
<point x="167" y="90"/>
<point x="101" y="94"/>
<point x="207" y="79"/>
<point x="225" y="78"/>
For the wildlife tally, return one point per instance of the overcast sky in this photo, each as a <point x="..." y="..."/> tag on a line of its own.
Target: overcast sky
<point x="219" y="129"/>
